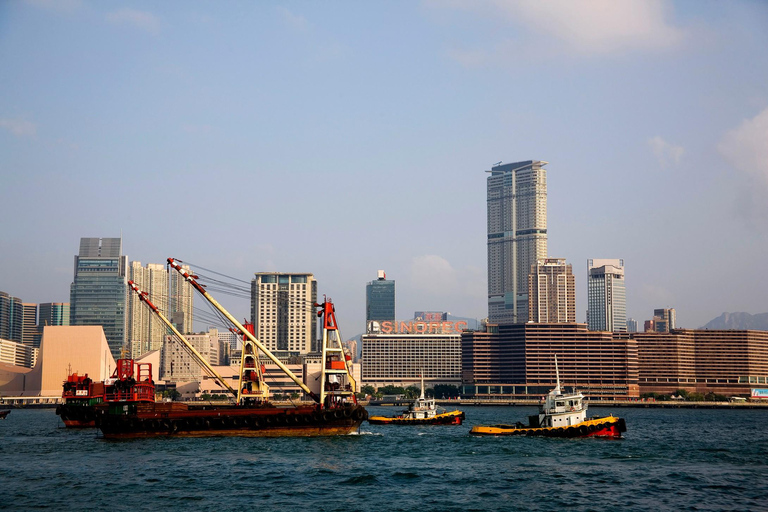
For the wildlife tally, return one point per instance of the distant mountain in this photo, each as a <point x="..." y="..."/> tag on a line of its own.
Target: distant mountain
<point x="739" y="321"/>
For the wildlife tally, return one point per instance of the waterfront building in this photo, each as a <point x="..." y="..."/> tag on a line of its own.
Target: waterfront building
<point x="17" y="354"/>
<point x="726" y="362"/>
<point x="145" y="331"/>
<point x="517" y="235"/>
<point x="52" y="313"/>
<point x="282" y="311"/>
<point x="518" y="360"/>
<point x="551" y="292"/>
<point x="399" y="353"/>
<point x="99" y="291"/>
<point x="30" y="335"/>
<point x="178" y="364"/>
<point x="11" y="318"/>
<point x="380" y="299"/>
<point x="607" y="303"/>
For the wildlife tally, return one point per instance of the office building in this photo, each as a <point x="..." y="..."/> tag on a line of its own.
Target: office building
<point x="178" y="364"/>
<point x="282" y="311"/>
<point x="551" y="292"/>
<point x="380" y="299"/>
<point x="52" y="313"/>
<point x="11" y="318"/>
<point x="30" y="334"/>
<point x="517" y="236"/>
<point x="607" y="303"/>
<point x="518" y="360"/>
<point x="145" y="331"/>
<point x="99" y="291"/>
<point x="664" y="320"/>
<point x="631" y="325"/>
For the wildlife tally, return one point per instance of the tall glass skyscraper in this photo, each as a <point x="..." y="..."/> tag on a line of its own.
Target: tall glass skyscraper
<point x="98" y="293"/>
<point x="380" y="299"/>
<point x="607" y="296"/>
<point x="517" y="236"/>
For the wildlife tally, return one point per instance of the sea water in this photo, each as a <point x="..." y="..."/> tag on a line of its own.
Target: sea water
<point x="669" y="459"/>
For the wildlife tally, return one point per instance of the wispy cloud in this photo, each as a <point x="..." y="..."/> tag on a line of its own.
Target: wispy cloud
<point x="20" y="127"/>
<point x="140" y="19"/>
<point x="667" y="154"/>
<point x="293" y="20"/>
<point x="746" y="149"/>
<point x="587" y="27"/>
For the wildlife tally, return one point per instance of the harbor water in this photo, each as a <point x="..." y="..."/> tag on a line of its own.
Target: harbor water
<point x="679" y="459"/>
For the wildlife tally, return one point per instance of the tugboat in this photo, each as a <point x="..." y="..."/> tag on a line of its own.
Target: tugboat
<point x="422" y="411"/>
<point x="560" y="415"/>
<point x="336" y="411"/>
<point x="130" y="381"/>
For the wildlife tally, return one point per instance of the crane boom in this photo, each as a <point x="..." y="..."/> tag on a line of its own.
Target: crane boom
<point x="200" y="359"/>
<point x="191" y="280"/>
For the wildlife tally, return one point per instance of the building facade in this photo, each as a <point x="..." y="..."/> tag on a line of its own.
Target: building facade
<point x="551" y="292"/>
<point x="380" y="299"/>
<point x="517" y="235"/>
<point x="180" y="301"/>
<point x="30" y="334"/>
<point x="98" y="293"/>
<point x="146" y="332"/>
<point x="52" y="313"/>
<point x="664" y="320"/>
<point x="518" y="360"/>
<point x="607" y="297"/>
<point x="282" y="311"/>
<point x="178" y="365"/>
<point x="17" y="354"/>
<point x="11" y="318"/>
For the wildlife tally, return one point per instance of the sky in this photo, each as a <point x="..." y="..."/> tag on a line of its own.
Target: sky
<point x="341" y="138"/>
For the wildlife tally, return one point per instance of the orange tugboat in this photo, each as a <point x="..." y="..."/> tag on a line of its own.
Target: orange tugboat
<point x="423" y="411"/>
<point x="336" y="411"/>
<point x="560" y="415"/>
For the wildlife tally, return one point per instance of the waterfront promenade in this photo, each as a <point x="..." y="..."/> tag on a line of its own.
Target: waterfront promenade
<point x="639" y="403"/>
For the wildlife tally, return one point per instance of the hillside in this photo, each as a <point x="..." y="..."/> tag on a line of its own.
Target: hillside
<point x="739" y="321"/>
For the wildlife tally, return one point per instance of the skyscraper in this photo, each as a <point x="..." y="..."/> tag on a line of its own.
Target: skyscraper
<point x="145" y="331"/>
<point x="52" y="313"/>
<point x="11" y="318"/>
<point x="551" y="292"/>
<point x="380" y="299"/>
<point x="607" y="309"/>
<point x="664" y="320"/>
<point x="30" y="335"/>
<point x="98" y="292"/>
<point x="180" y="302"/>
<point x="282" y="311"/>
<point x="517" y="236"/>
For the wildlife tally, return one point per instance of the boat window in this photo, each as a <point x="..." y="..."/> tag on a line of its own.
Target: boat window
<point x="559" y="404"/>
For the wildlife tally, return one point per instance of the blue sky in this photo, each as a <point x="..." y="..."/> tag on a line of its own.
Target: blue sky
<point x="340" y="138"/>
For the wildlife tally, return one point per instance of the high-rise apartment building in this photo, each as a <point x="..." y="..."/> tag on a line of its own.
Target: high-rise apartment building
<point x="282" y="311"/>
<point x="145" y="332"/>
<point x="380" y="299"/>
<point x="631" y="325"/>
<point x="99" y="291"/>
<point x="30" y="334"/>
<point x="180" y="302"/>
<point x="52" y="313"/>
<point x="517" y="236"/>
<point x="11" y="318"/>
<point x="551" y="292"/>
<point x="607" y="297"/>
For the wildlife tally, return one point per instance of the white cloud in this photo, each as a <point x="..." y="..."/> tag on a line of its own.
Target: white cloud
<point x="746" y="147"/>
<point x="584" y="27"/>
<point x="666" y="153"/>
<point x="140" y="19"/>
<point x="20" y="127"/>
<point x="434" y="273"/>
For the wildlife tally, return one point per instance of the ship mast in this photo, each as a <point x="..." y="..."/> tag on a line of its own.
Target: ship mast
<point x="192" y="280"/>
<point x="200" y="359"/>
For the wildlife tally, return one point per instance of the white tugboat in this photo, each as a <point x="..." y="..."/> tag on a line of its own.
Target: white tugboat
<point x="560" y="415"/>
<point x="423" y="411"/>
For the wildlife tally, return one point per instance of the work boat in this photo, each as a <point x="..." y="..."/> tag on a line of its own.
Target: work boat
<point x="560" y="415"/>
<point x="423" y="411"/>
<point x="335" y="411"/>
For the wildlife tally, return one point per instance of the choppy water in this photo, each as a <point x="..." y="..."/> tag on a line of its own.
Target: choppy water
<point x="669" y="460"/>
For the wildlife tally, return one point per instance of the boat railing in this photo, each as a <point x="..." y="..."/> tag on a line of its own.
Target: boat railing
<point x="139" y="391"/>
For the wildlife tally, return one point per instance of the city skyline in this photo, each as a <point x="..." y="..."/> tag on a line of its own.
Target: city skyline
<point x="310" y="138"/>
